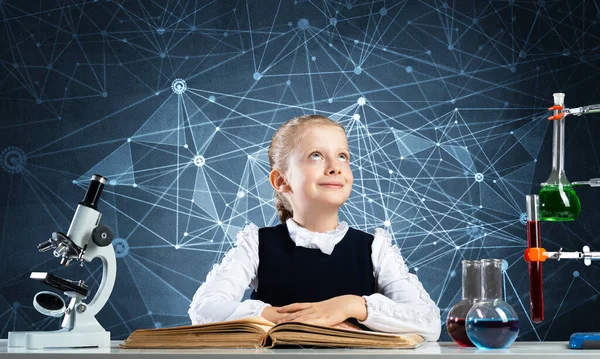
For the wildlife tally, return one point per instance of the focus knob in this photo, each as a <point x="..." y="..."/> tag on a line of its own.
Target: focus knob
<point x="102" y="235"/>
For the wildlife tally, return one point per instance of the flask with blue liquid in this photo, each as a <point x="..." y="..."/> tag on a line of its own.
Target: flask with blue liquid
<point x="492" y="323"/>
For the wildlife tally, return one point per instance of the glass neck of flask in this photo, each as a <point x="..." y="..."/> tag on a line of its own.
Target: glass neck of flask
<point x="471" y="279"/>
<point x="558" y="143"/>
<point x="558" y="146"/>
<point x="491" y="279"/>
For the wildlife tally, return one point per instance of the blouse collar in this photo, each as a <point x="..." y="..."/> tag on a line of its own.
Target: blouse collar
<point x="325" y="241"/>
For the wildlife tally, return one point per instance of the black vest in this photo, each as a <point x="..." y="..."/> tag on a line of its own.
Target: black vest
<point x="289" y="274"/>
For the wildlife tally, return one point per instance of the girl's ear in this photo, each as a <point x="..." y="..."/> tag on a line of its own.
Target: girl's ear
<point x="278" y="181"/>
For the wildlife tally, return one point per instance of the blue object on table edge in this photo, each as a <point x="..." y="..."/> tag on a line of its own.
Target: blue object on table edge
<point x="585" y="341"/>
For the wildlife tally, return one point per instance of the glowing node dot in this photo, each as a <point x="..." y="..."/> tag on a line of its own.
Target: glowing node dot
<point x="178" y="86"/>
<point x="199" y="161"/>
<point x="457" y="247"/>
<point x="303" y="24"/>
<point x="330" y="100"/>
<point x="333" y="21"/>
<point x="523" y="218"/>
<point x="576" y="274"/>
<point x="256" y="76"/>
<point x="479" y="177"/>
<point x="288" y="82"/>
<point x="129" y="139"/>
<point x="225" y="34"/>
<point x="218" y="129"/>
<point x="160" y="30"/>
<point x="390" y="171"/>
<point x="361" y="101"/>
<point x="241" y="194"/>
<point x="357" y="70"/>
<point x="428" y="52"/>
<point x="387" y="223"/>
<point x="416" y="269"/>
<point x="211" y="99"/>
<point x="383" y="11"/>
<point x="409" y="69"/>
<point x="112" y="182"/>
<point x="13" y="159"/>
<point x="219" y="223"/>
<point x="135" y="185"/>
<point x="355" y="42"/>
<point x="356" y="117"/>
<point x="435" y="243"/>
<point x="450" y="47"/>
<point x="185" y="146"/>
<point x="314" y="58"/>
<point x="185" y="234"/>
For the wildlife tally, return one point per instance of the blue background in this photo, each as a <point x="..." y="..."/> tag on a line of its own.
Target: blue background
<point x="445" y="105"/>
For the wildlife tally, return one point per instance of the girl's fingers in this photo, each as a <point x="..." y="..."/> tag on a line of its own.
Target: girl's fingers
<point x="294" y="307"/>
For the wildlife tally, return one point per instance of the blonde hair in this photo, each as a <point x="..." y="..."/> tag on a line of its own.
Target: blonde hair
<point x="285" y="139"/>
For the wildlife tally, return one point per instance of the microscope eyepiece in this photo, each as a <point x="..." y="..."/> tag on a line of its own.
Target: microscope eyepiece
<point x="92" y="195"/>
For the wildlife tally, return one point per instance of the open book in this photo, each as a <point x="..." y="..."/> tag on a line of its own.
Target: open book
<point x="257" y="332"/>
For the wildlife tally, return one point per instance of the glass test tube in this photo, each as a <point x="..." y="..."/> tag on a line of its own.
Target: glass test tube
<point x="534" y="240"/>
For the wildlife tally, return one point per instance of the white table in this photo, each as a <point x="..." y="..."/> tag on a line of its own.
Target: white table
<point x="445" y="350"/>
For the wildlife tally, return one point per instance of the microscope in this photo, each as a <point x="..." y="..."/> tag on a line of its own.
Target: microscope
<point x="86" y="239"/>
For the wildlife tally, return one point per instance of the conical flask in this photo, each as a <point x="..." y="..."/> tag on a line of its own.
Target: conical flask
<point x="558" y="200"/>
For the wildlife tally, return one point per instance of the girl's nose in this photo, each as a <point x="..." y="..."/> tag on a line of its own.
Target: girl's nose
<point x="335" y="170"/>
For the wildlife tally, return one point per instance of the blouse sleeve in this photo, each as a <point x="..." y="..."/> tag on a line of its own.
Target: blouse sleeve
<point x="219" y="297"/>
<point x="401" y="305"/>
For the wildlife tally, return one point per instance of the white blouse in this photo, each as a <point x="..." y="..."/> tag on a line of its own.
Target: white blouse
<point x="400" y="306"/>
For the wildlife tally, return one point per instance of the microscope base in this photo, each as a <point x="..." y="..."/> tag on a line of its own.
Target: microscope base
<point x="58" y="339"/>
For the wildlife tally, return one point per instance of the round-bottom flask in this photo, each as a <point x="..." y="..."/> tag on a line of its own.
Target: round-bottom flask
<point x="492" y="323"/>
<point x="471" y="287"/>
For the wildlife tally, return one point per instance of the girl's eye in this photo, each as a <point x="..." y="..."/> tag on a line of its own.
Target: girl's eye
<point x="315" y="156"/>
<point x="343" y="156"/>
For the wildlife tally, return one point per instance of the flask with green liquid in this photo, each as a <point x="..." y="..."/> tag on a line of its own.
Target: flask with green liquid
<point x="558" y="200"/>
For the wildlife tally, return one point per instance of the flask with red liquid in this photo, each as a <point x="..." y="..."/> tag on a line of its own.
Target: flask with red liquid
<point x="471" y="289"/>
<point x="534" y="240"/>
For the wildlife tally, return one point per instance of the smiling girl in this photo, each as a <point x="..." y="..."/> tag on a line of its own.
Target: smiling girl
<point x="312" y="268"/>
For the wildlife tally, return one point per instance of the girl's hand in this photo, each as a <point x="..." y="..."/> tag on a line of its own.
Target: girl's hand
<point x="346" y="325"/>
<point x="271" y="314"/>
<point x="326" y="313"/>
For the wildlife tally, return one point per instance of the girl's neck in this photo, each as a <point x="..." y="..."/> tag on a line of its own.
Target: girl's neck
<point x="316" y="221"/>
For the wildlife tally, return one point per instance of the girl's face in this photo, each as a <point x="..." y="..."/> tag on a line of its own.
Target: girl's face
<point x="319" y="173"/>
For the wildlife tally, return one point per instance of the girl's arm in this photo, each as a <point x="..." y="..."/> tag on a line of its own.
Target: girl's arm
<point x="219" y="297"/>
<point x="402" y="304"/>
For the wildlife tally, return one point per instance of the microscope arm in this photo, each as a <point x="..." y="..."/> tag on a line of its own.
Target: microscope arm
<point x="109" y="272"/>
<point x="540" y="255"/>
